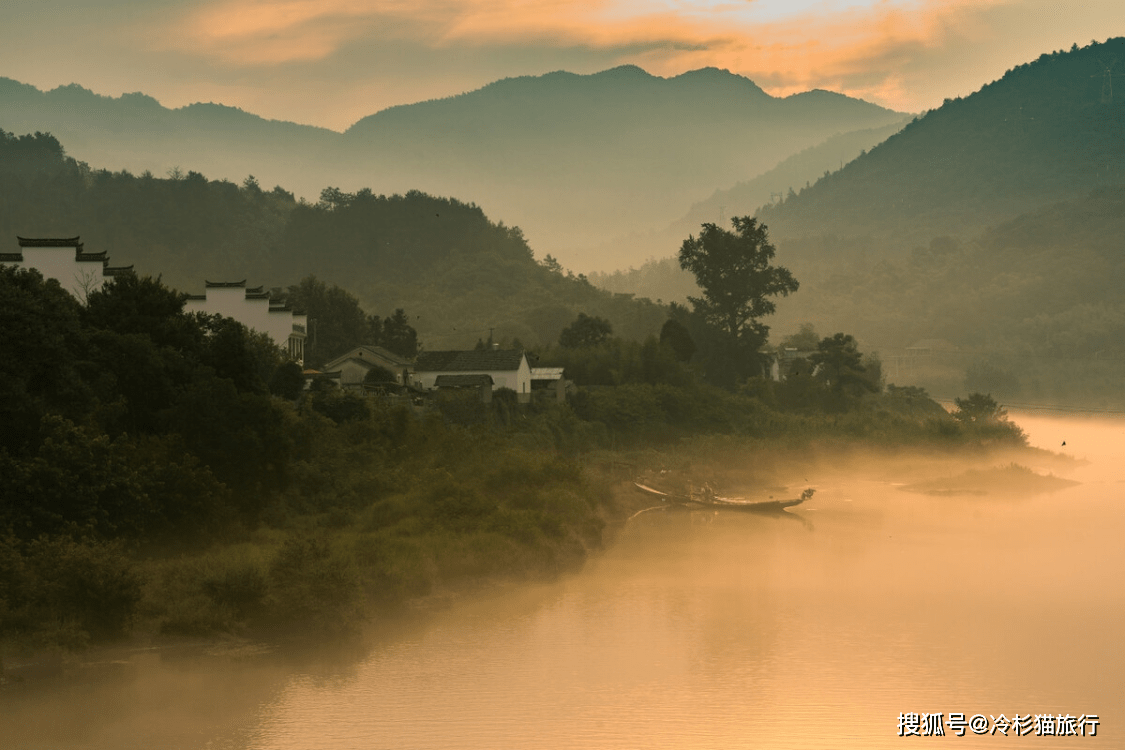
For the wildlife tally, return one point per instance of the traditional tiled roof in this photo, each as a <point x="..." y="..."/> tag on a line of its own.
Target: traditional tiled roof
<point x="81" y="257"/>
<point x="250" y="294"/>
<point x="462" y="381"/>
<point x="387" y="355"/>
<point x="369" y="364"/>
<point x="223" y="284"/>
<point x="254" y="290"/>
<point x="546" y="373"/>
<point x="46" y="242"/>
<point x="11" y="257"/>
<point x="495" y="360"/>
<point x="377" y="356"/>
<point x="116" y="270"/>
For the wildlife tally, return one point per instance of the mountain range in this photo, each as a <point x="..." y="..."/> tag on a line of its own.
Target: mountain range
<point x="574" y="160"/>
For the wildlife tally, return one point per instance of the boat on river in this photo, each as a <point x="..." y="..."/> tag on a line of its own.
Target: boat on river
<point x="706" y="499"/>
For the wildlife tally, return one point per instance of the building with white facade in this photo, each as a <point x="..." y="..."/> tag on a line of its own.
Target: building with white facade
<point x="254" y="309"/>
<point x="64" y="260"/>
<point x="355" y="365"/>
<point x="508" y="368"/>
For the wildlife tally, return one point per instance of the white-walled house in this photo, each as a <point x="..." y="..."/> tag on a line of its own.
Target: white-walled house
<point x="254" y="309"/>
<point x="355" y="364"/>
<point x="64" y="260"/>
<point x="508" y="368"/>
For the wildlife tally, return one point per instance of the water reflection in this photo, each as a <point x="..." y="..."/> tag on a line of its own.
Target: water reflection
<point x="739" y="632"/>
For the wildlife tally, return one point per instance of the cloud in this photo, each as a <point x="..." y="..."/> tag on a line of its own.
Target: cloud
<point x="275" y="32"/>
<point x="851" y="46"/>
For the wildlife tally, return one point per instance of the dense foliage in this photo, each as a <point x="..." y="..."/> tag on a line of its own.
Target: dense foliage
<point x="412" y="252"/>
<point x="137" y="430"/>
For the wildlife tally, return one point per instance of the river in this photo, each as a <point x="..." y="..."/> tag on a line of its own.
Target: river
<point x="820" y="628"/>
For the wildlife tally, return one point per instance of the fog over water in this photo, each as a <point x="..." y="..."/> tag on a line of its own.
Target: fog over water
<point x="811" y="629"/>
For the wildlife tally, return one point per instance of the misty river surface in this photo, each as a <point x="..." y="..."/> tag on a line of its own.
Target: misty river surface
<point x="815" y="629"/>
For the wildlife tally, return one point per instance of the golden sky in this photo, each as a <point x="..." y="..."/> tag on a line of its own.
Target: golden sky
<point x="330" y="62"/>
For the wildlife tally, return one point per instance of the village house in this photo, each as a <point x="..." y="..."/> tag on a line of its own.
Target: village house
<point x="549" y="379"/>
<point x="482" y="384"/>
<point x="254" y="309"/>
<point x="508" y="368"/>
<point x="354" y="366"/>
<point x="64" y="260"/>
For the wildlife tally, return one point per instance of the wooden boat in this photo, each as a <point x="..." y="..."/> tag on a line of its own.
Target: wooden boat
<point x="706" y="499"/>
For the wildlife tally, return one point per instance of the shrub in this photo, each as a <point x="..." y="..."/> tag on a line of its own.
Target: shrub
<point x="312" y="583"/>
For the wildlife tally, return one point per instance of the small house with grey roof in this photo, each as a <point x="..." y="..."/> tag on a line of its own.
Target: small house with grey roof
<point x="354" y="366"/>
<point x="508" y="368"/>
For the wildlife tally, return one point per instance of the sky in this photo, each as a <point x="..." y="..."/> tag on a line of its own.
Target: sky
<point x="331" y="62"/>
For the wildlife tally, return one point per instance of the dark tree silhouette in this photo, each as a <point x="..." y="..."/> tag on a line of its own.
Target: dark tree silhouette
<point x="585" y="331"/>
<point x="676" y="337"/>
<point x="733" y="270"/>
<point x="399" y="336"/>
<point x="841" y="366"/>
<point x="979" y="408"/>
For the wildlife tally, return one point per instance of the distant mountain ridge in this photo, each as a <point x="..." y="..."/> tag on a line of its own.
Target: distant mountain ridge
<point x="572" y="159"/>
<point x="613" y="152"/>
<point x="137" y="133"/>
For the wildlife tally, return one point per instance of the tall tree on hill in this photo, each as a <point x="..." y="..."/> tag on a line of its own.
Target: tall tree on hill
<point x="585" y="331"/>
<point x="840" y="366"/>
<point x="733" y="270"/>
<point x="398" y="336"/>
<point x="336" y="321"/>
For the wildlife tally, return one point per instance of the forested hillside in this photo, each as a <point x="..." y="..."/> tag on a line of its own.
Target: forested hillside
<point x="456" y="272"/>
<point x="992" y="225"/>
<point x="1048" y="130"/>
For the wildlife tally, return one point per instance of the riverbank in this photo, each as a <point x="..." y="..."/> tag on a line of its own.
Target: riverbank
<point x="330" y="576"/>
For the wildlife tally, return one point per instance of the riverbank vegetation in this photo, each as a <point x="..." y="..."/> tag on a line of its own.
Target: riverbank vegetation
<point x="154" y="484"/>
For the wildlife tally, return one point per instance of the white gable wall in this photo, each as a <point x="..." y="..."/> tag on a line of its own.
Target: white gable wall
<point x="255" y="314"/>
<point x="59" y="263"/>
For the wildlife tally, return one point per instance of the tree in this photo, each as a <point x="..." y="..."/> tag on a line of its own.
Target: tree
<point x="840" y="365"/>
<point x="551" y="265"/>
<point x="287" y="381"/>
<point x="399" y="336"/>
<point x="979" y="408"/>
<point x="131" y="304"/>
<point x="676" y="337"/>
<point x="585" y="331"/>
<point x="804" y="340"/>
<point x="42" y="355"/>
<point x="336" y="321"/>
<point x="733" y="270"/>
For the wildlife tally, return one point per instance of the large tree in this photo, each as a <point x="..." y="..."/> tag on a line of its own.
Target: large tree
<point x="734" y="273"/>
<point x="840" y="365"/>
<point x="336" y="321"/>
<point x="585" y="331"/>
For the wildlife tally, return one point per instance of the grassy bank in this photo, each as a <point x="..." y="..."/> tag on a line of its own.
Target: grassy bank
<point x="368" y="525"/>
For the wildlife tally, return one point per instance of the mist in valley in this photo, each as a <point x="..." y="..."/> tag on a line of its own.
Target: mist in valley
<point x="815" y="626"/>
